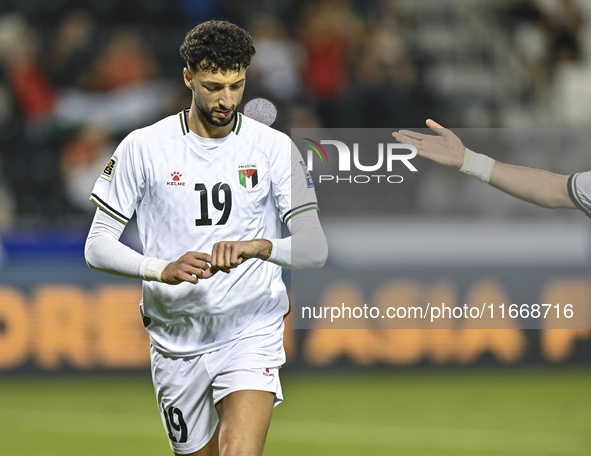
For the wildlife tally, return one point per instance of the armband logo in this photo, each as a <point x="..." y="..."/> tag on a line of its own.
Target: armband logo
<point x="309" y="180"/>
<point x="109" y="170"/>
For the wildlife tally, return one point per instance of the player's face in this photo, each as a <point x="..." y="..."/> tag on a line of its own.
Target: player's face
<point x="216" y="95"/>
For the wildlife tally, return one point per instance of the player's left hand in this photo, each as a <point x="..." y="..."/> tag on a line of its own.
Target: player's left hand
<point x="230" y="254"/>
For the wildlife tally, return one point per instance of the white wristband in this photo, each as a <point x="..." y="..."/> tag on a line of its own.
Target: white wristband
<point x="154" y="268"/>
<point x="477" y="165"/>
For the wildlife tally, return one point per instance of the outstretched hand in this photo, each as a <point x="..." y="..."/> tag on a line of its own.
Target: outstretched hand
<point x="445" y="148"/>
<point x="191" y="267"/>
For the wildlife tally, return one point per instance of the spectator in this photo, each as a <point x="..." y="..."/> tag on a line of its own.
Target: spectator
<point x="330" y="32"/>
<point x="82" y="159"/>
<point x="125" y="60"/>
<point x="19" y="52"/>
<point x="71" y="49"/>
<point x="382" y="95"/>
<point x="277" y="68"/>
<point x="7" y="205"/>
<point x="121" y="91"/>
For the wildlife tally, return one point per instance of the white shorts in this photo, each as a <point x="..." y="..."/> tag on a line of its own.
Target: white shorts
<point x="187" y="389"/>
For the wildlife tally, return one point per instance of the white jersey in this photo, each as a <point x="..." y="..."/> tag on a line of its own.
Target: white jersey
<point x="579" y="190"/>
<point x="188" y="198"/>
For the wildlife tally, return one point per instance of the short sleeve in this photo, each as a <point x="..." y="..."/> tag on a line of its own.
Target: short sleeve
<point x="120" y="186"/>
<point x="293" y="187"/>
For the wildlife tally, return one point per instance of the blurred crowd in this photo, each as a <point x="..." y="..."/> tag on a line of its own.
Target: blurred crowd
<point x="77" y="75"/>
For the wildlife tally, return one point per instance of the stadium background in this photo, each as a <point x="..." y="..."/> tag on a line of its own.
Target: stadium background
<point x="77" y="76"/>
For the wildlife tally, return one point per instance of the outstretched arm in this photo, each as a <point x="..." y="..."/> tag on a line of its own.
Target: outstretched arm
<point x="535" y="186"/>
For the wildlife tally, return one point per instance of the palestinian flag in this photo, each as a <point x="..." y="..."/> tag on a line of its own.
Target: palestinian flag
<point x="248" y="176"/>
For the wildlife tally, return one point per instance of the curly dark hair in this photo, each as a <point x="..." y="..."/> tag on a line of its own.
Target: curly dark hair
<point x="217" y="45"/>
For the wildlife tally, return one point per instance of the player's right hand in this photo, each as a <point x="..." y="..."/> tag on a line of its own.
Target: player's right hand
<point x="191" y="267"/>
<point x="445" y="149"/>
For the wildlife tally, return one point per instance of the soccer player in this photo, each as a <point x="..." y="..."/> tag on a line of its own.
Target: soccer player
<point x="535" y="186"/>
<point x="210" y="189"/>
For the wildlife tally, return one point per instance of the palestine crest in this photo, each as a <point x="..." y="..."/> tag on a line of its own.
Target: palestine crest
<point x="248" y="176"/>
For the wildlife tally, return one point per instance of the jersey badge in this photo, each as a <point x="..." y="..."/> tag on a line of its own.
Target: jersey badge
<point x="309" y="180"/>
<point x="248" y="176"/>
<point x="176" y="180"/>
<point x="107" y="173"/>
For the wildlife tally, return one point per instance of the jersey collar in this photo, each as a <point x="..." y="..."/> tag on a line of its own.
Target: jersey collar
<point x="192" y="139"/>
<point x="185" y="125"/>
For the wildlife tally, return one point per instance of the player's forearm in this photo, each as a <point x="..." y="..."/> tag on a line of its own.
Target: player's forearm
<point x="264" y="248"/>
<point x="535" y="186"/>
<point x="305" y="248"/>
<point x="104" y="252"/>
<point x="298" y="252"/>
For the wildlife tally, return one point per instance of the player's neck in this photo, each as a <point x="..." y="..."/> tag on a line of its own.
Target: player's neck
<point x="200" y="127"/>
